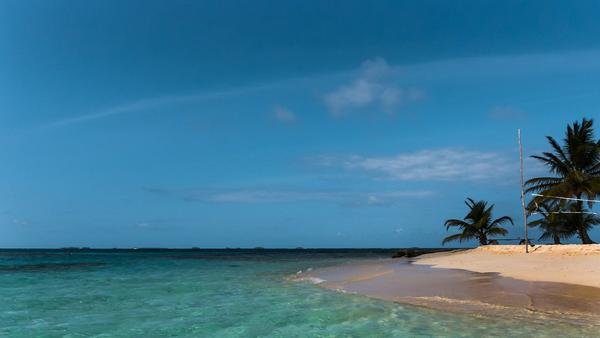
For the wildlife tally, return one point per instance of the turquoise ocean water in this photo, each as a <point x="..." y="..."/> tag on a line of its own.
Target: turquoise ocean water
<point x="220" y="294"/>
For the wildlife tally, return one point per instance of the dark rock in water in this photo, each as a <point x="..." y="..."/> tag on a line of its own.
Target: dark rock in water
<point x="414" y="252"/>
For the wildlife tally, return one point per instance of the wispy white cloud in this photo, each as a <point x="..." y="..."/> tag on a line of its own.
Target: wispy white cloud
<point x="255" y="196"/>
<point x="143" y="225"/>
<point x="18" y="221"/>
<point x="373" y="86"/>
<point x="506" y="113"/>
<point x="284" y="115"/>
<point x="393" y="197"/>
<point x="443" y="164"/>
<point x="266" y="196"/>
<point x="376" y="83"/>
<point x="157" y="102"/>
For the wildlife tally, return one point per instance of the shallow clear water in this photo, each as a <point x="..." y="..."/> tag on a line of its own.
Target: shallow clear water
<point x="218" y="294"/>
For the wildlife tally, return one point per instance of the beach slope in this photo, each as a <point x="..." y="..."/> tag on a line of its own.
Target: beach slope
<point x="572" y="264"/>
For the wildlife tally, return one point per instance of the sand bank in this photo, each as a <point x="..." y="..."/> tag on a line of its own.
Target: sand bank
<point x="499" y="280"/>
<point x="572" y="264"/>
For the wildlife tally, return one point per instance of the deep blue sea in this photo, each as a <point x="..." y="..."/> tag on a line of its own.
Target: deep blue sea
<point x="219" y="293"/>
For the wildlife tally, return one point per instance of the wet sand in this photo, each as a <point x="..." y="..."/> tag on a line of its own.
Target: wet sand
<point x="459" y="290"/>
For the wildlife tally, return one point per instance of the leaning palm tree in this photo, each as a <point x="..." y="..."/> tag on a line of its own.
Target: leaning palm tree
<point x="553" y="223"/>
<point x="576" y="169"/>
<point x="477" y="224"/>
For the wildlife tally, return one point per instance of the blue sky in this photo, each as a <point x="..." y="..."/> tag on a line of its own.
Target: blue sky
<point x="278" y="124"/>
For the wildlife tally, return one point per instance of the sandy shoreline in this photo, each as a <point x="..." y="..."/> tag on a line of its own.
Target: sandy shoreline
<point x="496" y="280"/>
<point x="571" y="264"/>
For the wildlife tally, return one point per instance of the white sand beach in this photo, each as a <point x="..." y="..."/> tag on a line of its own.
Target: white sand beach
<point x="502" y="279"/>
<point x="572" y="264"/>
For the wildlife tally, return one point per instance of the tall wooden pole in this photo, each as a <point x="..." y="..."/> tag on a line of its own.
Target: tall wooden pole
<point x="523" y="192"/>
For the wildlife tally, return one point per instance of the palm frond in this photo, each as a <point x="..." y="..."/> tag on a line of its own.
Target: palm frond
<point x="502" y="220"/>
<point x="456" y="237"/>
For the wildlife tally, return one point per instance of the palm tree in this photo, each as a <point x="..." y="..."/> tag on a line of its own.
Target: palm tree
<point x="583" y="218"/>
<point x="576" y="166"/>
<point x="553" y="223"/>
<point x="477" y="224"/>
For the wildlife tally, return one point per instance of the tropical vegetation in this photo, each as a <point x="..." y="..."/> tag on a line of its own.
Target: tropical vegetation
<point x="575" y="170"/>
<point x="553" y="223"/>
<point x="478" y="224"/>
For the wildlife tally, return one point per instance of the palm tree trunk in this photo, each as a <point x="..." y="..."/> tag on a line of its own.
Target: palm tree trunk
<point x="581" y="230"/>
<point x="556" y="239"/>
<point x="583" y="235"/>
<point x="483" y="239"/>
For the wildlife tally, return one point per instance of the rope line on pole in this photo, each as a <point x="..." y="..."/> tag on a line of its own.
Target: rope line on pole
<point x="567" y="198"/>
<point x="564" y="212"/>
<point x="567" y="212"/>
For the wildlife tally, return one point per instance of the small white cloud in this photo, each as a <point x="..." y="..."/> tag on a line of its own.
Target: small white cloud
<point x="371" y="199"/>
<point x="390" y="98"/>
<point x="391" y="198"/>
<point x="20" y="221"/>
<point x="507" y="113"/>
<point x="143" y="225"/>
<point x="375" y="68"/>
<point x="357" y="95"/>
<point x="435" y="164"/>
<point x="373" y="86"/>
<point x="283" y="114"/>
